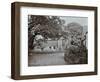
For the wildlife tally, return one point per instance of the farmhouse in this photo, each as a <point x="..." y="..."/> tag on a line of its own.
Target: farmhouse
<point x="52" y="45"/>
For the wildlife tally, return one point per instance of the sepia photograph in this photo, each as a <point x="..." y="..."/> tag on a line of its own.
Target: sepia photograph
<point x="57" y="40"/>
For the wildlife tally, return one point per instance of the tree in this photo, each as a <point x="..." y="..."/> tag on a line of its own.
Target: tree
<point x="47" y="26"/>
<point x="76" y="53"/>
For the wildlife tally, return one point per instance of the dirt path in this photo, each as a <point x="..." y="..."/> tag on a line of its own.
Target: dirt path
<point x="46" y="59"/>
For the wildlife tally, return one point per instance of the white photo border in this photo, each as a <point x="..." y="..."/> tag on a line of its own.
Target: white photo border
<point x="25" y="70"/>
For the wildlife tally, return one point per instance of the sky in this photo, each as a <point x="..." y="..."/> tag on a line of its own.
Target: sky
<point x="81" y="20"/>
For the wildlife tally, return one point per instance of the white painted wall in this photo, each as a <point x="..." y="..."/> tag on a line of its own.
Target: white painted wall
<point x="5" y="40"/>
